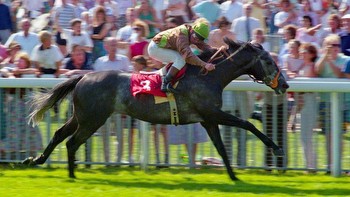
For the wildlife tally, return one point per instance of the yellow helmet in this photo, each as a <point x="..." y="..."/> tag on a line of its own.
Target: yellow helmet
<point x="201" y="27"/>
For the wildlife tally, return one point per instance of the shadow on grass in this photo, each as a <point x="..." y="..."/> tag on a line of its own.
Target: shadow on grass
<point x="239" y="186"/>
<point x="249" y="185"/>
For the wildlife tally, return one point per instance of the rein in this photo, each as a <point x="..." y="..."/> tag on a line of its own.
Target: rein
<point x="270" y="80"/>
<point x="203" y="71"/>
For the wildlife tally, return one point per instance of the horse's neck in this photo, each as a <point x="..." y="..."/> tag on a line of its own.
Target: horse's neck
<point x="227" y="73"/>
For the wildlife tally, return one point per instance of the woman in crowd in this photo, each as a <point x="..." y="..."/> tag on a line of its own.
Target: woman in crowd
<point x="307" y="106"/>
<point x="146" y="13"/>
<point x="139" y="46"/>
<point x="216" y="36"/>
<point x="100" y="30"/>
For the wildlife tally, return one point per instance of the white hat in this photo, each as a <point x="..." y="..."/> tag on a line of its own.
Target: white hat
<point x="346" y="16"/>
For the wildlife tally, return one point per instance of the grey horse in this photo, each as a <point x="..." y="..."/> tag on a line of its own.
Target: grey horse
<point x="199" y="99"/>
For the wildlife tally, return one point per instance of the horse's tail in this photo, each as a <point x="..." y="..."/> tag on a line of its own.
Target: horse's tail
<point x="43" y="101"/>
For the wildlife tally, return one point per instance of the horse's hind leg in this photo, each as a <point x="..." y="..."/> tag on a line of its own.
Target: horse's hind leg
<point x="84" y="131"/>
<point x="214" y="134"/>
<point x="61" y="134"/>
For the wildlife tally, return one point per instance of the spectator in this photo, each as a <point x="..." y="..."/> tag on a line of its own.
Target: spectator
<point x="259" y="37"/>
<point x="19" y="136"/>
<point x="109" y="8"/>
<point x="13" y="49"/>
<point x="259" y="11"/>
<point x="140" y="64"/>
<point x="216" y="36"/>
<point x="334" y="27"/>
<point x="47" y="57"/>
<point x="147" y="14"/>
<point x="208" y="9"/>
<point x="75" y="36"/>
<point x="306" y="33"/>
<point x="3" y="52"/>
<point x="285" y="16"/>
<point x="306" y="10"/>
<point x="244" y="26"/>
<point x="114" y="61"/>
<point x="176" y="9"/>
<point x="329" y="65"/>
<point x="291" y="62"/>
<point x="79" y="7"/>
<point x="289" y="33"/>
<point x="78" y="63"/>
<point x="231" y="9"/>
<point x="344" y="7"/>
<point x="33" y="8"/>
<point x="124" y="6"/>
<point x="124" y="33"/>
<point x="64" y="14"/>
<point x="27" y="40"/>
<point x="86" y="24"/>
<point x="307" y="106"/>
<point x="139" y="46"/>
<point x="6" y="25"/>
<point x="190" y="136"/>
<point x="100" y="29"/>
<point x="345" y="35"/>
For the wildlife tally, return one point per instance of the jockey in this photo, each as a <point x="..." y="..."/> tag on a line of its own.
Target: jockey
<point x="173" y="45"/>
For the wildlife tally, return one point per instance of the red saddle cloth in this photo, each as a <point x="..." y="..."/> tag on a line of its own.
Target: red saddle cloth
<point x="150" y="83"/>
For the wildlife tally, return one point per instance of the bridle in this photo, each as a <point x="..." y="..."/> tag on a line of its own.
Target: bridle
<point x="270" y="79"/>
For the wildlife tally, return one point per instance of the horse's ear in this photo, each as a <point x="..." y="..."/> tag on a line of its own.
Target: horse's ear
<point x="258" y="45"/>
<point x="230" y="42"/>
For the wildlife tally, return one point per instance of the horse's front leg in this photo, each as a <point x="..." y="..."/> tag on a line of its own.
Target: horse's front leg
<point x="224" y="118"/>
<point x="214" y="134"/>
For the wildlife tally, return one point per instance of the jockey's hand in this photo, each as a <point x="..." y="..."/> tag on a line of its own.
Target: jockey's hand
<point x="210" y="67"/>
<point x="223" y="48"/>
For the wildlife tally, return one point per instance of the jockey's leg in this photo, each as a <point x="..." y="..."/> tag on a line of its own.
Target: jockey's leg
<point x="166" y="82"/>
<point x="167" y="56"/>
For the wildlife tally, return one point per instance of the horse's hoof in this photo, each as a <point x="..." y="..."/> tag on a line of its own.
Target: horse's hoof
<point x="278" y="152"/>
<point x="72" y="176"/>
<point x="29" y="161"/>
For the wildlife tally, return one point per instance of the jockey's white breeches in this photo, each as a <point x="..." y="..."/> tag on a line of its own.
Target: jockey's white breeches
<point x="166" y="55"/>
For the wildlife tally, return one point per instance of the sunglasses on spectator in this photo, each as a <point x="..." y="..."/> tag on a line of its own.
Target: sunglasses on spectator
<point x="335" y="45"/>
<point x="136" y="28"/>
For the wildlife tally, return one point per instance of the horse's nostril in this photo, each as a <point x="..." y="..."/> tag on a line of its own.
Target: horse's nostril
<point x="286" y="86"/>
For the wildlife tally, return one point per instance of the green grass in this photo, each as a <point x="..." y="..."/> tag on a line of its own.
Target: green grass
<point x="124" y="181"/>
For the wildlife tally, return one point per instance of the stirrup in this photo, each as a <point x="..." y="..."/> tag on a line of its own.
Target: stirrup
<point x="168" y="88"/>
<point x="171" y="89"/>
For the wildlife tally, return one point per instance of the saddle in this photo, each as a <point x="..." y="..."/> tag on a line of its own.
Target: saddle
<point x="150" y="82"/>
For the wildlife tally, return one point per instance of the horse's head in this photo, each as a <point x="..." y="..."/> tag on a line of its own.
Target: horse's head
<point x="260" y="66"/>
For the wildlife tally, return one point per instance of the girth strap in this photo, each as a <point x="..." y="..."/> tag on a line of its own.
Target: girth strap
<point x="173" y="109"/>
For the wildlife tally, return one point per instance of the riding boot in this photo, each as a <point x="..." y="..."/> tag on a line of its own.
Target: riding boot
<point x="166" y="81"/>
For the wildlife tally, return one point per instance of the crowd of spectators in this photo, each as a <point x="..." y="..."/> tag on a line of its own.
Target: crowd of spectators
<point x="70" y="37"/>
